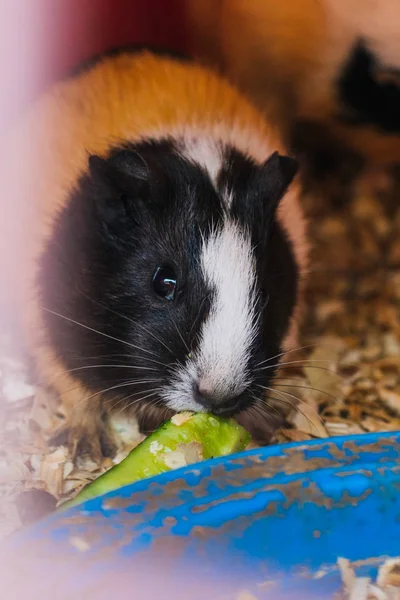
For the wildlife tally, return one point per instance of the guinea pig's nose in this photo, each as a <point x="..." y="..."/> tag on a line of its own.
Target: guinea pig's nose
<point x="213" y="402"/>
<point x="204" y="395"/>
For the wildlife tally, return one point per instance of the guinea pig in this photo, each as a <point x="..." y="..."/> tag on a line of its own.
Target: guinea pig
<point x="158" y="244"/>
<point x="327" y="70"/>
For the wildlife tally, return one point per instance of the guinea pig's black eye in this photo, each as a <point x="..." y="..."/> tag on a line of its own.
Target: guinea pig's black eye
<point x="164" y="282"/>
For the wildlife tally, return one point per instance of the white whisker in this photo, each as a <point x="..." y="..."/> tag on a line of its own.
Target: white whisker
<point x="122" y="316"/>
<point x="138" y="400"/>
<point x="180" y="335"/>
<point x="124" y="398"/>
<point x="304" y="387"/>
<point x="104" y="334"/>
<point x="298" y="364"/>
<point x="294" y="407"/>
<point x="118" y="386"/>
<point x="52" y="379"/>
<point x="199" y="311"/>
<point x="262" y="412"/>
<point x="287" y="352"/>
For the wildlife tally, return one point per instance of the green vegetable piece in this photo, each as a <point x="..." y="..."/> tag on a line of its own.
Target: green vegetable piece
<point x="185" y="439"/>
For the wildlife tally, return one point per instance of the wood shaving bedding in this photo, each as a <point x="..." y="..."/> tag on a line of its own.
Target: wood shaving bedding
<point x="36" y="472"/>
<point x="345" y="380"/>
<point x="386" y="587"/>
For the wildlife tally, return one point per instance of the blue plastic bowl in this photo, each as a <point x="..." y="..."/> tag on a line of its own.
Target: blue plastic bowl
<point x="265" y="524"/>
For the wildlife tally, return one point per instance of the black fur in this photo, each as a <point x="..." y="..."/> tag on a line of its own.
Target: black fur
<point x="325" y="161"/>
<point x="367" y="98"/>
<point x="115" y="51"/>
<point x="141" y="207"/>
<point x="98" y="267"/>
<point x="256" y="190"/>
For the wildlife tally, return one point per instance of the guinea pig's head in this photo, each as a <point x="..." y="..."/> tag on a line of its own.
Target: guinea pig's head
<point x="168" y="280"/>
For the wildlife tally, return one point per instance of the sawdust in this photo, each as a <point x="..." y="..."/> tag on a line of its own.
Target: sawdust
<point x="352" y="324"/>
<point x="35" y="473"/>
<point x="386" y="587"/>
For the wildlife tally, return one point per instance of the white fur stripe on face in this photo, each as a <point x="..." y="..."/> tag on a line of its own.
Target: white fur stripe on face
<point x="227" y="334"/>
<point x="220" y="364"/>
<point x="205" y="152"/>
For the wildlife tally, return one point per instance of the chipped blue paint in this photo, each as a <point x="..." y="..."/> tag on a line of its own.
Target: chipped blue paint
<point x="277" y="514"/>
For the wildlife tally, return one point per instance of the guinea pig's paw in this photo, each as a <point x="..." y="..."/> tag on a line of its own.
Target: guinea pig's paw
<point x="91" y="438"/>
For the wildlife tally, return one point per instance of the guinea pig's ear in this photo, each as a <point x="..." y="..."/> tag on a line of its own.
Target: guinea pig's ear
<point x="123" y="169"/>
<point x="274" y="176"/>
<point x="117" y="182"/>
<point x="131" y="166"/>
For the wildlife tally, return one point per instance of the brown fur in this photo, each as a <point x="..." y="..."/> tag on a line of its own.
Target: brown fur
<point x="120" y="98"/>
<point x="287" y="56"/>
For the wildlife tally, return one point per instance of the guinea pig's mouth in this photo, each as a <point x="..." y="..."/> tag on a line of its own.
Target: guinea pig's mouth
<point x="253" y="414"/>
<point x="231" y="407"/>
<point x="228" y="409"/>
